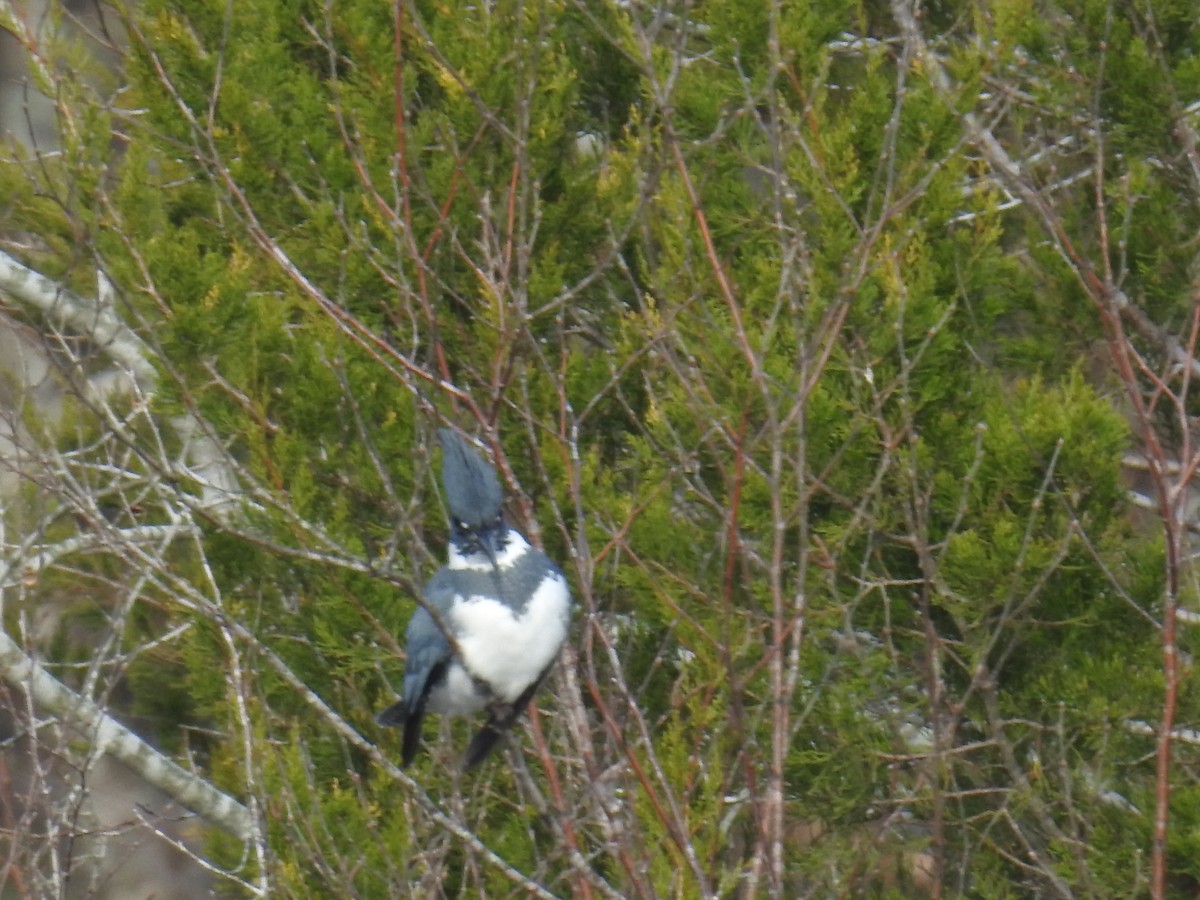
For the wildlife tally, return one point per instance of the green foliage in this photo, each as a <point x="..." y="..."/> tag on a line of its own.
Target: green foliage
<point x="802" y="405"/>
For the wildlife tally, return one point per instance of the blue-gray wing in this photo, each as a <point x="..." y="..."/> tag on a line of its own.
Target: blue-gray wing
<point x="428" y="654"/>
<point x="428" y="650"/>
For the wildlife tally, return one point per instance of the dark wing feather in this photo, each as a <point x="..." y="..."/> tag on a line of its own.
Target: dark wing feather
<point x="394" y="716"/>
<point x="428" y="655"/>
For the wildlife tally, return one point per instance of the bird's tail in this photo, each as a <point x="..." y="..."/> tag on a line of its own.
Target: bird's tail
<point x="481" y="745"/>
<point x="498" y="723"/>
<point x="399" y="715"/>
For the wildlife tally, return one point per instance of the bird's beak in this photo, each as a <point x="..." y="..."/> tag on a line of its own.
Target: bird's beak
<point x="491" y="546"/>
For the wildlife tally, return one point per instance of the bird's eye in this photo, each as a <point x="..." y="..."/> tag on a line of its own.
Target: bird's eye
<point x="463" y="526"/>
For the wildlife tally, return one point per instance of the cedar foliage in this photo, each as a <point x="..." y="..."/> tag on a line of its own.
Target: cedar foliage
<point x="802" y="403"/>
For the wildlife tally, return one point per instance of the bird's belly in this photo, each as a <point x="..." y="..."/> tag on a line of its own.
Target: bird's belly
<point x="456" y="694"/>
<point x="507" y="650"/>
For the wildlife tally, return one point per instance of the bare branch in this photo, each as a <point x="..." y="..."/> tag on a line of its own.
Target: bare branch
<point x="71" y="313"/>
<point x="110" y="736"/>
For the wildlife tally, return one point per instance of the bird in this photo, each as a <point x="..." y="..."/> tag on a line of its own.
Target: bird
<point x="493" y="619"/>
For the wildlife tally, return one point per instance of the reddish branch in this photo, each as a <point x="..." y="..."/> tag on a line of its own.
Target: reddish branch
<point x="406" y="198"/>
<point x="1113" y="309"/>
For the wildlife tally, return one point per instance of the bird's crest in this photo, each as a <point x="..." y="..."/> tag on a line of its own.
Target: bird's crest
<point x="472" y="491"/>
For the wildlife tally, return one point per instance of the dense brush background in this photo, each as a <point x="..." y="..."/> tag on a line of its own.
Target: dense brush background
<point x="840" y="352"/>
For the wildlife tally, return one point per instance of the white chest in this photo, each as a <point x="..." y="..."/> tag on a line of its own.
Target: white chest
<point x="508" y="650"/>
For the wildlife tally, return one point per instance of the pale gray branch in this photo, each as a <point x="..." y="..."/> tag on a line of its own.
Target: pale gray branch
<point x="109" y="736"/>
<point x="48" y="555"/>
<point x="76" y="315"/>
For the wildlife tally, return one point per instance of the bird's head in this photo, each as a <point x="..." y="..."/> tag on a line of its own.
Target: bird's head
<point x="473" y="496"/>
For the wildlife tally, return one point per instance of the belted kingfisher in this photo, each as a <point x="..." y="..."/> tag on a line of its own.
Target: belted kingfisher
<point x="493" y="620"/>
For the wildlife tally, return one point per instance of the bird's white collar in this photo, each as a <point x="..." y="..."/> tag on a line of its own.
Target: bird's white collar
<point x="515" y="546"/>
